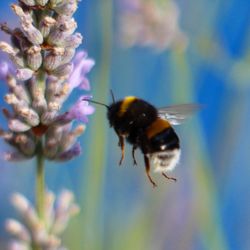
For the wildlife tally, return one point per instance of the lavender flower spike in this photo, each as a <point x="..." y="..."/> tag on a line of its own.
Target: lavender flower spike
<point x="43" y="72"/>
<point x="36" y="233"/>
<point x="49" y="72"/>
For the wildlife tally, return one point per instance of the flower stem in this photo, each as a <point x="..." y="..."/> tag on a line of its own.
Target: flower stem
<point x="40" y="185"/>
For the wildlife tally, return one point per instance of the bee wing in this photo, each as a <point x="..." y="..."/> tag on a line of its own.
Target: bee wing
<point x="177" y="114"/>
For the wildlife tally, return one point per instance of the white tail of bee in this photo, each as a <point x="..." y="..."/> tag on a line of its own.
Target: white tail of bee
<point x="165" y="161"/>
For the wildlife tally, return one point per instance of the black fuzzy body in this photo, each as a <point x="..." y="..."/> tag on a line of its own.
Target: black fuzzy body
<point x="133" y="122"/>
<point x="138" y="122"/>
<point x="163" y="141"/>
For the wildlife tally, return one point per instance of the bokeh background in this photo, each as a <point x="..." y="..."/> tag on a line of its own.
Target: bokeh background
<point x="209" y="206"/>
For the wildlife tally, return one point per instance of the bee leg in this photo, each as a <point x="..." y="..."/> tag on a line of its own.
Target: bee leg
<point x="121" y="144"/>
<point x="169" y="178"/>
<point x="147" y="166"/>
<point x="133" y="154"/>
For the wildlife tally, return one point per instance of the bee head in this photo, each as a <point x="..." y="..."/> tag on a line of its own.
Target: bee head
<point x="112" y="113"/>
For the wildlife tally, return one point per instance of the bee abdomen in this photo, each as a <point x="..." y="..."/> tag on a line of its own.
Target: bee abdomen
<point x="166" y="160"/>
<point x="164" y="146"/>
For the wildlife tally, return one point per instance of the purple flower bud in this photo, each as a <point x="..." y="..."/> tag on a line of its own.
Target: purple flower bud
<point x="65" y="208"/>
<point x="63" y="29"/>
<point x="28" y="213"/>
<point x="17" y="104"/>
<point x="18" y="90"/>
<point x="62" y="215"/>
<point x="82" y="65"/>
<point x="45" y="25"/>
<point x="63" y="70"/>
<point x="54" y="87"/>
<point x="26" y="144"/>
<point x="54" y="106"/>
<point x="42" y="2"/>
<point x="51" y="148"/>
<point x="32" y="33"/>
<point x="18" y="126"/>
<point x="73" y="41"/>
<point x="49" y="208"/>
<point x="7" y="48"/>
<point x="7" y="136"/>
<point x="78" y="111"/>
<point x="19" y="230"/>
<point x="29" y="2"/>
<point x="34" y="57"/>
<point x="24" y="74"/>
<point x="24" y="16"/>
<point x="55" y="2"/>
<point x="29" y="116"/>
<point x="68" y="55"/>
<point x="69" y="154"/>
<point x="48" y="117"/>
<point x="39" y="104"/>
<point x="69" y="139"/>
<point x="37" y="95"/>
<point x="14" y="156"/>
<point x="54" y="59"/>
<point x="66" y="7"/>
<point x="53" y="136"/>
<point x="18" y="60"/>
<point x="19" y="40"/>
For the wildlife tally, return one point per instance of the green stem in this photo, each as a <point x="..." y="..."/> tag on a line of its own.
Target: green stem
<point x="41" y="80"/>
<point x="40" y="185"/>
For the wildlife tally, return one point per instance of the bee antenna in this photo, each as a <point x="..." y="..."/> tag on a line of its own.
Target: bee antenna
<point x="112" y="95"/>
<point x="100" y="103"/>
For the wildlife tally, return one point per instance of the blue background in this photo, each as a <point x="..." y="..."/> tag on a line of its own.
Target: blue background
<point x="209" y="206"/>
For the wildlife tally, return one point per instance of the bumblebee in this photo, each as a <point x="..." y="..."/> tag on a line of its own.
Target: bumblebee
<point x="149" y="129"/>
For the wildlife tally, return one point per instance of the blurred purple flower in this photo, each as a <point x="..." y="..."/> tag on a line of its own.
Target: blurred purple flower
<point x="151" y="23"/>
<point x="3" y="70"/>
<point x="6" y="68"/>
<point x="82" y="65"/>
<point x="74" y="151"/>
<point x="78" y="111"/>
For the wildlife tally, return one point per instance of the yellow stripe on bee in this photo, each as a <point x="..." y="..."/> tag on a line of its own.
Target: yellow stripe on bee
<point x="157" y="127"/>
<point x="125" y="104"/>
